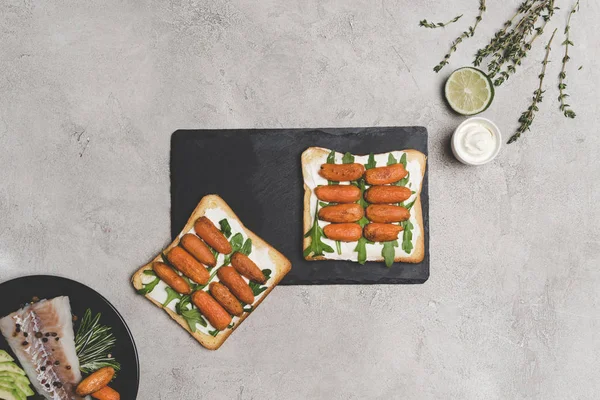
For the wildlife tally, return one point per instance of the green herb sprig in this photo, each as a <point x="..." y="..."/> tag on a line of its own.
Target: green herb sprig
<point x="189" y="313"/>
<point x="149" y="287"/>
<point x="94" y="343"/>
<point x="434" y="25"/>
<point x="527" y="117"/>
<point x="564" y="107"/>
<point x="316" y="247"/>
<point x="470" y="32"/>
<point x="510" y="45"/>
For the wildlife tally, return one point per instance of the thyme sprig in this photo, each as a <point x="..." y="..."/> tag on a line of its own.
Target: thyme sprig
<point x="433" y="25"/>
<point x="527" y="117"/>
<point x="510" y="45"/>
<point x="470" y="32"/>
<point x="564" y="107"/>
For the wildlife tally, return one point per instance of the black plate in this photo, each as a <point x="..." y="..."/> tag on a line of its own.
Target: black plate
<point x="21" y="290"/>
<point x="258" y="173"/>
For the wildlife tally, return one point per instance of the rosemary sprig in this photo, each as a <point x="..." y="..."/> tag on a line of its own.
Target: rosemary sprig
<point x="93" y="344"/>
<point x="466" y="34"/>
<point x="527" y="117"/>
<point x="564" y="107"/>
<point x="433" y="25"/>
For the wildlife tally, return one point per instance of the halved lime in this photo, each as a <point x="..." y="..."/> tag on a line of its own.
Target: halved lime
<point x="469" y="91"/>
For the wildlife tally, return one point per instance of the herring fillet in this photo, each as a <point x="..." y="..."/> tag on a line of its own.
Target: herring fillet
<point x="51" y="365"/>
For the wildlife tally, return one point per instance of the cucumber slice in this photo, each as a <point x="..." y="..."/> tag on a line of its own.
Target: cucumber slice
<point x="16" y="377"/>
<point x="11" y="367"/>
<point x="469" y="91"/>
<point x="17" y="384"/>
<point x="10" y="392"/>
<point x="4" y="356"/>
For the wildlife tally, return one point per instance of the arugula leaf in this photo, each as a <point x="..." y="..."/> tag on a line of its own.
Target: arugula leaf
<point x="323" y="204"/>
<point x="237" y="241"/>
<point x="225" y="227"/>
<point x="191" y="315"/>
<point x="388" y="252"/>
<point x="214" y="333"/>
<point x="256" y="287"/>
<point x="331" y="157"/>
<point x="331" y="160"/>
<point x="171" y="295"/>
<point x="338" y="247"/>
<point x="247" y="247"/>
<point x="316" y="246"/>
<point x="371" y="162"/>
<point x="249" y="309"/>
<point x="409" y="205"/>
<point x="407" y="245"/>
<point x="149" y="272"/>
<point x="231" y="325"/>
<point x="361" y="249"/>
<point x="348" y="158"/>
<point x="403" y="160"/>
<point x="148" y="287"/>
<point x="362" y="202"/>
<point x="391" y="160"/>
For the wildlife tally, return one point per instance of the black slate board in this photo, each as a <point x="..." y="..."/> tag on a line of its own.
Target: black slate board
<point x="258" y="173"/>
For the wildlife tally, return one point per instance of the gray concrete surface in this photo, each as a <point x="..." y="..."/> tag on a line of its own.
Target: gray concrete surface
<point x="91" y="91"/>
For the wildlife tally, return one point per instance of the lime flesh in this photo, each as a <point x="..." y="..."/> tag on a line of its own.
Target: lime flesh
<point x="469" y="91"/>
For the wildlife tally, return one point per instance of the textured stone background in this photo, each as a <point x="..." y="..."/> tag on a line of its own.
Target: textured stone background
<point x="91" y="91"/>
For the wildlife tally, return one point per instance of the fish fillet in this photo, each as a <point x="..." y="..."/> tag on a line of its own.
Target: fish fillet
<point x="41" y="335"/>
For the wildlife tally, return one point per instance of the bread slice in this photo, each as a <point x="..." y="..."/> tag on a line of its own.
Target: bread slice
<point x="314" y="157"/>
<point x="279" y="261"/>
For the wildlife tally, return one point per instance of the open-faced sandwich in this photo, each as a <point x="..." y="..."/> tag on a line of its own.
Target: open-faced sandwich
<point x="363" y="208"/>
<point x="213" y="275"/>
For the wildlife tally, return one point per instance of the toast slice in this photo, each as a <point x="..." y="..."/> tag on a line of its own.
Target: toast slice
<point x="314" y="157"/>
<point x="214" y="207"/>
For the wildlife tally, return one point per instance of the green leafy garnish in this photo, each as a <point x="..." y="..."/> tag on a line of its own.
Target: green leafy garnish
<point x="93" y="344"/>
<point x="338" y="246"/>
<point x="388" y="252"/>
<point x="331" y="160"/>
<point x="316" y="246"/>
<point x="361" y="249"/>
<point x="391" y="160"/>
<point x="148" y="287"/>
<point x="323" y="204"/>
<point x="237" y="241"/>
<point x="371" y="162"/>
<point x="409" y="205"/>
<point x="191" y="314"/>
<point x="171" y="295"/>
<point x="407" y="245"/>
<point x="247" y="247"/>
<point x="149" y="272"/>
<point x="256" y="287"/>
<point x="331" y="157"/>
<point x="403" y="160"/>
<point x="214" y="333"/>
<point x="225" y="227"/>
<point x="248" y="309"/>
<point x="362" y="202"/>
<point x="348" y="158"/>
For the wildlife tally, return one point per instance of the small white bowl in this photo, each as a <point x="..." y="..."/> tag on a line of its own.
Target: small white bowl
<point x="492" y="127"/>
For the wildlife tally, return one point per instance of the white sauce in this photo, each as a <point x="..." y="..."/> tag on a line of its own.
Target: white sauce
<point x="260" y="256"/>
<point x="313" y="179"/>
<point x="475" y="142"/>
